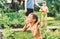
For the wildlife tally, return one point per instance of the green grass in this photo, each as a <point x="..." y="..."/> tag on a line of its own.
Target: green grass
<point x="53" y="23"/>
<point x="22" y="35"/>
<point x="28" y="35"/>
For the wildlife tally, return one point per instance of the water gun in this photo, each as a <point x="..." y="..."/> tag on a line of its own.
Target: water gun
<point x="41" y="10"/>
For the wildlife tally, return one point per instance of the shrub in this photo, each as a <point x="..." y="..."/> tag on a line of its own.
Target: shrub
<point x="14" y="18"/>
<point x="51" y="35"/>
<point x="28" y="35"/>
<point x="58" y="17"/>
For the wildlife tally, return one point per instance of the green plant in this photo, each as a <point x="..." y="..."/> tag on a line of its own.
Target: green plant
<point x="28" y="35"/>
<point x="16" y="18"/>
<point x="7" y="32"/>
<point x="50" y="34"/>
<point x="23" y="35"/>
<point x="53" y="23"/>
<point x="58" y="17"/>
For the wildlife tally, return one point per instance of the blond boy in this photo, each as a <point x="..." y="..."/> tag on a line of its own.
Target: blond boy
<point x="32" y="23"/>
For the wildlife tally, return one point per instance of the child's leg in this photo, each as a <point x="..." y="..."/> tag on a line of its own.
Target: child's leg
<point x="41" y="19"/>
<point x="45" y="21"/>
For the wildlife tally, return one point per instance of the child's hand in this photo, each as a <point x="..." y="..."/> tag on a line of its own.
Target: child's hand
<point x="38" y="22"/>
<point x="24" y="29"/>
<point x="26" y="22"/>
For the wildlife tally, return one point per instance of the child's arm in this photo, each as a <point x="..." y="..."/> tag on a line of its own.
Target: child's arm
<point x="47" y="10"/>
<point x="36" y="3"/>
<point x="25" y="5"/>
<point x="37" y="32"/>
<point x="26" y="25"/>
<point x="36" y="26"/>
<point x="24" y="28"/>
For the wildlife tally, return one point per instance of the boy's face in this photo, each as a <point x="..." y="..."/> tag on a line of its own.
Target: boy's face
<point x="30" y="18"/>
<point x="44" y="4"/>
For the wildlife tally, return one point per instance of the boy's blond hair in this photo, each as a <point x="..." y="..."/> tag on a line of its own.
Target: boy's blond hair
<point x="44" y="2"/>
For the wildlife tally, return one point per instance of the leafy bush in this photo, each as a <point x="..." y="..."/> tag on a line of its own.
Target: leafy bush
<point x="58" y="17"/>
<point x="23" y="35"/>
<point x="14" y="18"/>
<point x="51" y="35"/>
<point x="28" y="35"/>
<point x="53" y="23"/>
<point x="7" y="32"/>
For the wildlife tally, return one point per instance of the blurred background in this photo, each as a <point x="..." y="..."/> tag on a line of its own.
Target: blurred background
<point x="12" y="16"/>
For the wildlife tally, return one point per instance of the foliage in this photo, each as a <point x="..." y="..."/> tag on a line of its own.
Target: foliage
<point x="14" y="18"/>
<point x="53" y="23"/>
<point x="53" y="3"/>
<point x="23" y="35"/>
<point x="28" y="35"/>
<point x="51" y="35"/>
<point x="58" y="17"/>
<point x="7" y="32"/>
<point x="54" y="7"/>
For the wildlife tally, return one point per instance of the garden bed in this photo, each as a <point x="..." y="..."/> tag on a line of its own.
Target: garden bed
<point x="28" y="35"/>
<point x="16" y="20"/>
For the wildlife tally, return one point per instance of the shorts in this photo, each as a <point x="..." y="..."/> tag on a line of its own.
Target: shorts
<point x="43" y="15"/>
<point x="29" y="11"/>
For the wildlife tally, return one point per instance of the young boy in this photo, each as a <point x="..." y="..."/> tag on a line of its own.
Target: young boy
<point x="32" y="23"/>
<point x="44" y="10"/>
